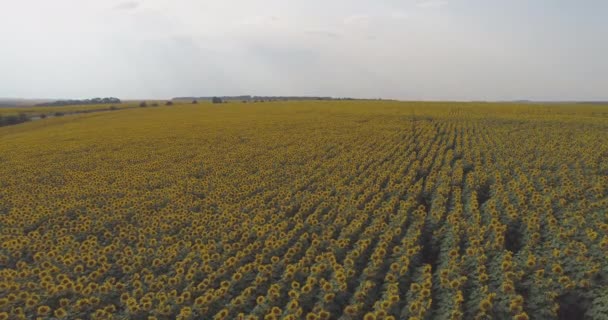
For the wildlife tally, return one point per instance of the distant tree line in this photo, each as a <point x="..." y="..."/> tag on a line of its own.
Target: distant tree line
<point x="13" y="119"/>
<point x="195" y="100"/>
<point x="248" y="98"/>
<point x="145" y="104"/>
<point x="59" y="103"/>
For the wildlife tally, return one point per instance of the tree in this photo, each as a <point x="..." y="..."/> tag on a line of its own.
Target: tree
<point x="194" y="101"/>
<point x="107" y="100"/>
<point x="13" y="119"/>
<point x="216" y="100"/>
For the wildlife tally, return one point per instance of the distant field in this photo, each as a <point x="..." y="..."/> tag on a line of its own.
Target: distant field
<point x="36" y="111"/>
<point x="307" y="210"/>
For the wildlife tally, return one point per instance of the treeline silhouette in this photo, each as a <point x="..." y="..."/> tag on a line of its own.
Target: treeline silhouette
<point x="13" y="119"/>
<point x="259" y="98"/>
<point x="59" y="103"/>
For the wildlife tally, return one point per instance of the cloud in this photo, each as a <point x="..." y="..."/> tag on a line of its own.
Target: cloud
<point x="369" y="21"/>
<point x="432" y="4"/>
<point x="260" y="20"/>
<point x="414" y="48"/>
<point x="399" y="15"/>
<point x="324" y="33"/>
<point x="357" y="19"/>
<point x="127" y="5"/>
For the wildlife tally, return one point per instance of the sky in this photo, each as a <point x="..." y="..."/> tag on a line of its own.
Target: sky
<point x="398" y="49"/>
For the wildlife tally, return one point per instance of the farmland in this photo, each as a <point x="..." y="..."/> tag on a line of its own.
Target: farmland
<point x="38" y="111"/>
<point x="307" y="210"/>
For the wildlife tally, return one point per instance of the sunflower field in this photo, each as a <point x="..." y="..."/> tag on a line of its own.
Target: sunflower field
<point x="307" y="210"/>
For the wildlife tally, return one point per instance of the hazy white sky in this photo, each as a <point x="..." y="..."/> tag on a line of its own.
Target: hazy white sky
<point x="405" y="49"/>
